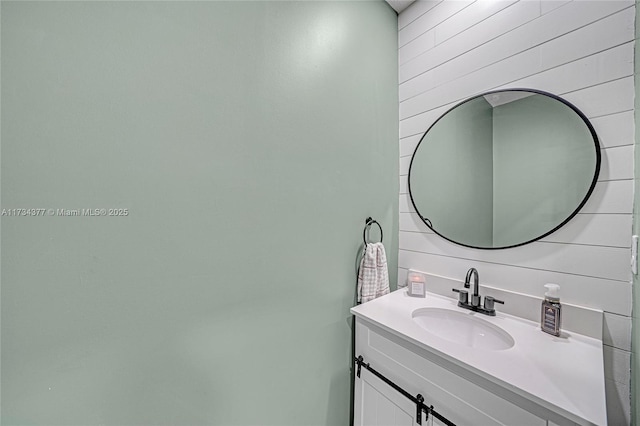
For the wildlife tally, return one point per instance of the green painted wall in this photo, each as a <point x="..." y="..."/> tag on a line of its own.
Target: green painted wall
<point x="248" y="141"/>
<point x="463" y="138"/>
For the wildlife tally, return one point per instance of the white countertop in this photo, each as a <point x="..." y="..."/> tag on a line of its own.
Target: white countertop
<point x="564" y="374"/>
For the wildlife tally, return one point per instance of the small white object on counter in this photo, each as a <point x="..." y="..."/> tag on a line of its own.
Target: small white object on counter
<point x="416" y="284"/>
<point x="562" y="374"/>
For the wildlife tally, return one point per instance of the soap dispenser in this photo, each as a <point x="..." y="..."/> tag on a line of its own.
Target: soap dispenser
<point x="551" y="310"/>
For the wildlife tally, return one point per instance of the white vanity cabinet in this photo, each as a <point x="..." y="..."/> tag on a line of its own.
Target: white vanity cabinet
<point x="541" y="380"/>
<point x="461" y="401"/>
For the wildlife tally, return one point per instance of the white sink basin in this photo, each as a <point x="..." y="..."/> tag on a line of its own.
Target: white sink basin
<point x="463" y="328"/>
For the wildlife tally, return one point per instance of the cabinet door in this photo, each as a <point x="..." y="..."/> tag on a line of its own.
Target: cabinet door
<point x="461" y="401"/>
<point x="377" y="404"/>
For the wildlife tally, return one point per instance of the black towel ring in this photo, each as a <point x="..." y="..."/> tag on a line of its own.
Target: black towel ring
<point x="367" y="223"/>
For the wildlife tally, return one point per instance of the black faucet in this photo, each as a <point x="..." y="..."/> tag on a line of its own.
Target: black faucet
<point x="475" y="296"/>
<point x="474" y="305"/>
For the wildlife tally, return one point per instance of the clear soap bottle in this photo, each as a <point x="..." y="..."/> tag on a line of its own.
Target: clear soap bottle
<point x="550" y="314"/>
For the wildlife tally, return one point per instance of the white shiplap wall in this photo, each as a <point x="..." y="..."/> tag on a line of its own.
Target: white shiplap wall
<point x="581" y="50"/>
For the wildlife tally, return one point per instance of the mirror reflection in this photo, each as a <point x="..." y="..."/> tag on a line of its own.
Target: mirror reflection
<point x="504" y="168"/>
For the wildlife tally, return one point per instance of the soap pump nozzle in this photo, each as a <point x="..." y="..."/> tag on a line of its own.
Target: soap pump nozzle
<point x="552" y="292"/>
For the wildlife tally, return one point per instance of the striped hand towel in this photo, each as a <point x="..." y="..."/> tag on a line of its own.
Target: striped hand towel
<point x="373" y="277"/>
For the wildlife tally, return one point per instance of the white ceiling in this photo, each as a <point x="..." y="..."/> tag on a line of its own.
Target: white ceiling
<point x="399" y="5"/>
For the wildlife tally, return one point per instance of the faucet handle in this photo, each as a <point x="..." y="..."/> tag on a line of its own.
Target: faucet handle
<point x="463" y="295"/>
<point x="489" y="302"/>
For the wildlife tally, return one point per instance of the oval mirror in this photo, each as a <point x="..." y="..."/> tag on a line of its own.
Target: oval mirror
<point x="504" y="168"/>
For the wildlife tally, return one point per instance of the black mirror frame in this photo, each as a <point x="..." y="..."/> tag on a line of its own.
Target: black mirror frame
<point x="575" y="109"/>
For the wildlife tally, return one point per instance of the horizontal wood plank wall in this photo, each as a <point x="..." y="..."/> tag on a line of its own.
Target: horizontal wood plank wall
<point x="581" y="50"/>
